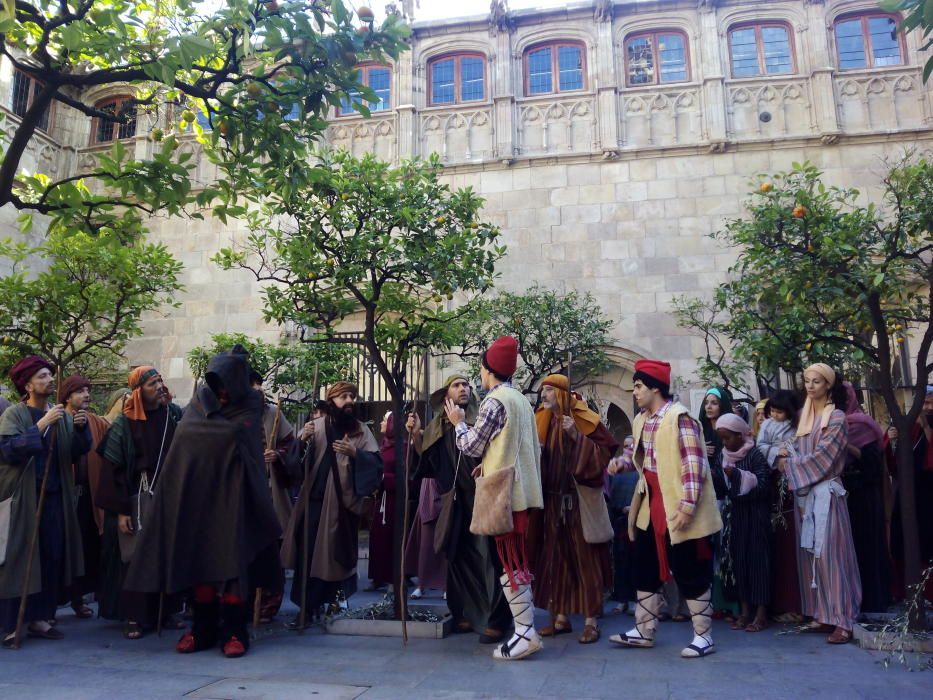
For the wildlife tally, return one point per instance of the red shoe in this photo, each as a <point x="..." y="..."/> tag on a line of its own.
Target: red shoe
<point x="186" y="644"/>
<point x="233" y="648"/>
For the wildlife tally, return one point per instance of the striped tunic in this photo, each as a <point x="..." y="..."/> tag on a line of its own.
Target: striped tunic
<point x="837" y="594"/>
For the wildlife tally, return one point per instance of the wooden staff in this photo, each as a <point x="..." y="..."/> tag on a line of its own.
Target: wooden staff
<point x="402" y="589"/>
<point x="305" y="549"/>
<point x="34" y="539"/>
<point x="270" y="443"/>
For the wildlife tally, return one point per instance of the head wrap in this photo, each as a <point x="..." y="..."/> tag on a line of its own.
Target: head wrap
<point x="434" y="430"/>
<point x="725" y="408"/>
<point x="70" y="385"/>
<point x="863" y="429"/>
<point x="26" y="369"/>
<point x="570" y="404"/>
<point x="807" y="416"/>
<point x="653" y="372"/>
<point x="714" y="391"/>
<point x="502" y="356"/>
<point x="339" y="388"/>
<point x="133" y="407"/>
<point x="730" y="421"/>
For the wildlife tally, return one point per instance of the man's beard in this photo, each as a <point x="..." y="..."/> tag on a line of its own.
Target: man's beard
<point x="344" y="418"/>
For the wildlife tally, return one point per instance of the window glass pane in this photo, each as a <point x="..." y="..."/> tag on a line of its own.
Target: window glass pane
<point x="104" y="127"/>
<point x="744" y="52"/>
<point x="776" y="50"/>
<point x="379" y="81"/>
<point x="202" y="120"/>
<point x="442" y="82"/>
<point x="20" y="99"/>
<point x="346" y="103"/>
<point x="672" y="56"/>
<point x="128" y="129"/>
<point x="471" y="79"/>
<point x="570" y="65"/>
<point x="850" y="45"/>
<point x="640" y="61"/>
<point x="539" y="72"/>
<point x="885" y="48"/>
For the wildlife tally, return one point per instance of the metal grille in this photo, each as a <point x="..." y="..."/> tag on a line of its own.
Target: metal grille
<point x="372" y="388"/>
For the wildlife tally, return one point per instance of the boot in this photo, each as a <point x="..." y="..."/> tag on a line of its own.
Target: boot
<point x="525" y="641"/>
<point x="233" y="632"/>
<point x="646" y="621"/>
<point x="203" y="634"/>
<point x="701" y="613"/>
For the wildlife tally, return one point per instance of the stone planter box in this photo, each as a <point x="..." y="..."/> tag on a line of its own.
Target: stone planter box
<point x="867" y="634"/>
<point x="392" y="628"/>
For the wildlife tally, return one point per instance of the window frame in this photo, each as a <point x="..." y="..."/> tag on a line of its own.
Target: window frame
<point x="864" y="16"/>
<point x="457" y="56"/>
<point x="118" y="100"/>
<point x="34" y="86"/>
<point x="758" y="25"/>
<point x="554" y="45"/>
<point x="364" y="69"/>
<point x="653" y="34"/>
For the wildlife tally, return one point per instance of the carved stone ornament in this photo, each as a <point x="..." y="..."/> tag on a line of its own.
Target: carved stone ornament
<point x="500" y="18"/>
<point x="602" y="12"/>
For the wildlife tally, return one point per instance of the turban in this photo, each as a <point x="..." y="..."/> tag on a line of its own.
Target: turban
<point x="570" y="403"/>
<point x="26" y="369"/>
<point x="133" y="407"/>
<point x="437" y="398"/>
<point x="731" y="421"/>
<point x="653" y="373"/>
<point x="339" y="388"/>
<point x="70" y="385"/>
<point x="805" y="425"/>
<point x="502" y="356"/>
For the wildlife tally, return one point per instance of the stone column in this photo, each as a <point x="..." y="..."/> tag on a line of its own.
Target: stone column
<point x="709" y="68"/>
<point x="406" y="115"/>
<point x="603" y="56"/>
<point x="822" y="70"/>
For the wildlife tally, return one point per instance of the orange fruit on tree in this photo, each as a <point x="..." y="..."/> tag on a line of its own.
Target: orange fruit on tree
<point x="766" y="187"/>
<point x="799" y="211"/>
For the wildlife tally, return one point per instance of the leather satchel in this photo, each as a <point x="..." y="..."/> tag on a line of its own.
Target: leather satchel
<point x="6" y="511"/>
<point x="442" y="525"/>
<point x="492" y="510"/>
<point x="594" y="515"/>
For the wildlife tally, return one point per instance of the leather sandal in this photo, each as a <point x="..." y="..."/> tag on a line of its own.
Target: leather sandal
<point x="839" y="636"/>
<point x="757" y="626"/>
<point x="50" y="633"/>
<point x="740" y="624"/>
<point x="590" y="634"/>
<point x="132" y="630"/>
<point x="556" y="628"/>
<point x="82" y="611"/>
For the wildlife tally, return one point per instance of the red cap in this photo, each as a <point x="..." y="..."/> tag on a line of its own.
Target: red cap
<point x="502" y="356"/>
<point x="656" y="369"/>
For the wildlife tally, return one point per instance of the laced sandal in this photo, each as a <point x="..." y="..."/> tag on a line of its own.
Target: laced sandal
<point x="590" y="634"/>
<point x="701" y="614"/>
<point x="757" y="626"/>
<point x="646" y="621"/>
<point x="839" y="636"/>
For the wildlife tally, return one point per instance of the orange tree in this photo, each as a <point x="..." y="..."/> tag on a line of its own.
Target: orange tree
<point x="820" y="277"/>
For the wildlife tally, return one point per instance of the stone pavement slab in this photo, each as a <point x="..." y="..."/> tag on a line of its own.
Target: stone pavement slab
<point x="95" y="662"/>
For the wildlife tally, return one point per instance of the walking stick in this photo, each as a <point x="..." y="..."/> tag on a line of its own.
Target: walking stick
<point x="270" y="443"/>
<point x="402" y="589"/>
<point x="305" y="549"/>
<point x="161" y="613"/>
<point x="21" y="614"/>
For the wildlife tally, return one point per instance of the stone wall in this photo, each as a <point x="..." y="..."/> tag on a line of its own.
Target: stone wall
<point x="610" y="189"/>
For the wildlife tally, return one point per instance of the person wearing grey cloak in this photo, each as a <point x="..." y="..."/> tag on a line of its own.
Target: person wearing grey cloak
<point x="474" y="595"/>
<point x="342" y="464"/>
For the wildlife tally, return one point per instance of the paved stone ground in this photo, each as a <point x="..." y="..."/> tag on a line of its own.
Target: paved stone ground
<point x="94" y="661"/>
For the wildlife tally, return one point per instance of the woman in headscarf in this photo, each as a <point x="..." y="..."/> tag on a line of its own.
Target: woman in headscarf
<point x="717" y="402"/>
<point x="748" y="485"/>
<point x="382" y="522"/>
<point x="829" y="579"/>
<point x="863" y="479"/>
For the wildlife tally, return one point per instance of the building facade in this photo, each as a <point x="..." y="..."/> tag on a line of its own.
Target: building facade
<point x="609" y="139"/>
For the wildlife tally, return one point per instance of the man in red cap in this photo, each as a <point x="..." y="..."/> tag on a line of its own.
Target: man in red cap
<point x="26" y="432"/>
<point x="673" y="513"/>
<point x="505" y="435"/>
<point x="75" y="395"/>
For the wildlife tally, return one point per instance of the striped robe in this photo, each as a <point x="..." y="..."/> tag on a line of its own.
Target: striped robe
<point x="837" y="596"/>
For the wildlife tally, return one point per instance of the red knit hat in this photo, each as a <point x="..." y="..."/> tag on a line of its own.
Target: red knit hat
<point x="502" y="356"/>
<point x="656" y="369"/>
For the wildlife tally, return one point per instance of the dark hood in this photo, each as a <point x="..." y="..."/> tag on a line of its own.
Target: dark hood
<point x="231" y="371"/>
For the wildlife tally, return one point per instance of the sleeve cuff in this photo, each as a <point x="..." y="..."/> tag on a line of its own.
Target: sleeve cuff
<point x="687" y="508"/>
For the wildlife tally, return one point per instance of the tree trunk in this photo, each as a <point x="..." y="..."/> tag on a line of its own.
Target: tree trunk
<point x="401" y="498"/>
<point x="904" y="458"/>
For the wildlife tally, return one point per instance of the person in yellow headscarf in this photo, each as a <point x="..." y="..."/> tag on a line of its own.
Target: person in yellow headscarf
<point x="571" y="564"/>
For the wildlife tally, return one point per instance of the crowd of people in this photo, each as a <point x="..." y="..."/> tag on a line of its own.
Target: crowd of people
<point x="782" y="513"/>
